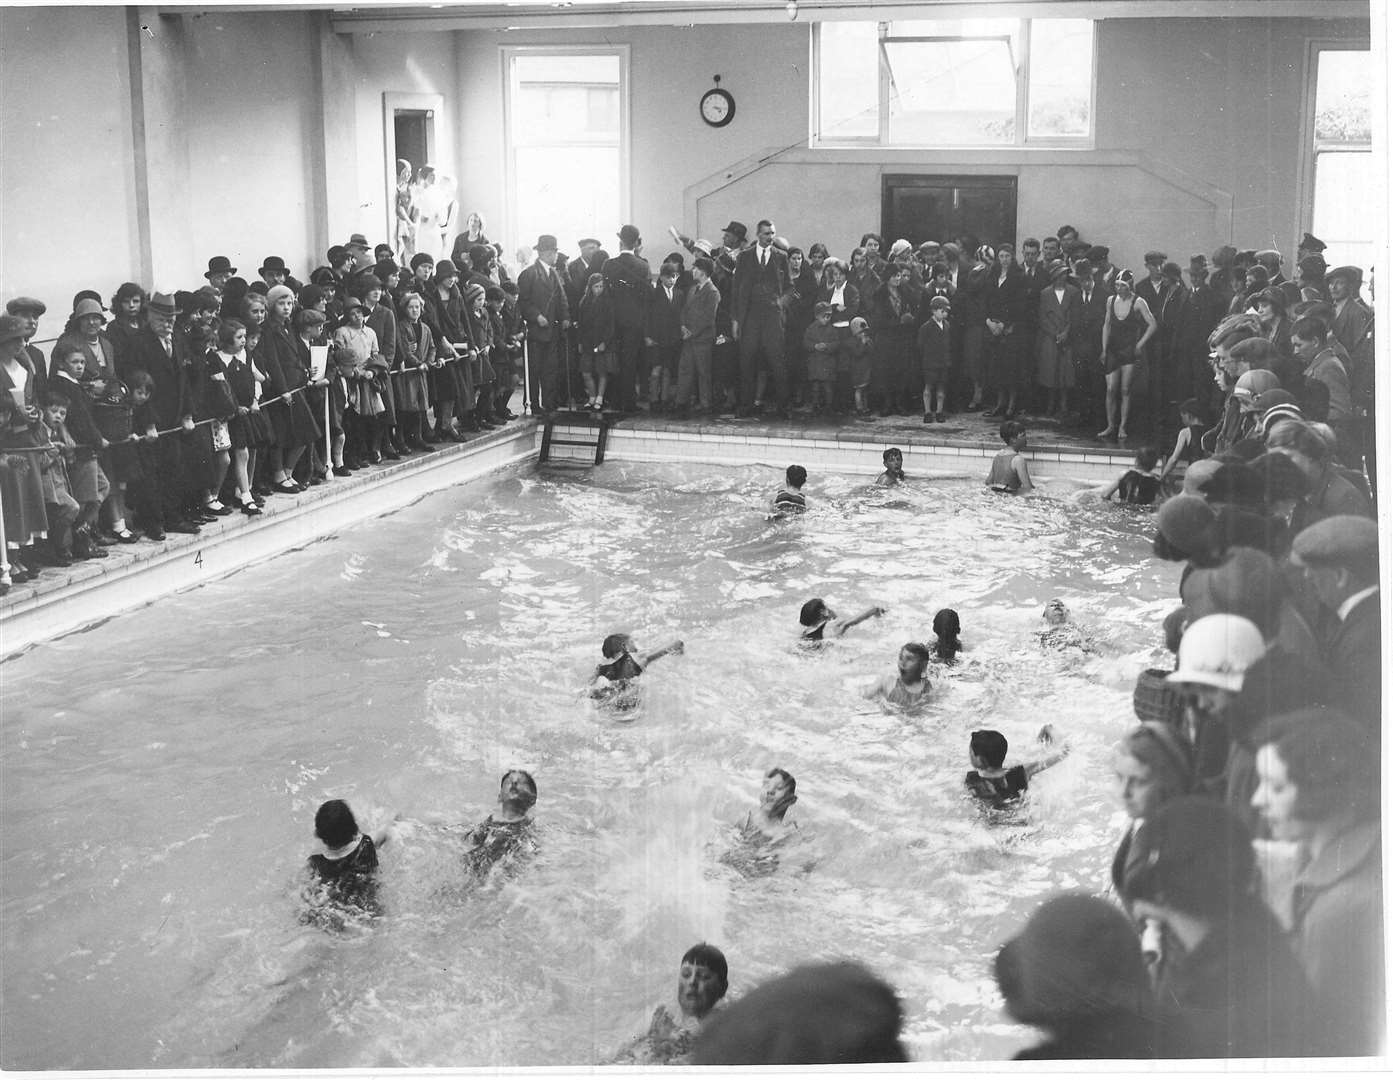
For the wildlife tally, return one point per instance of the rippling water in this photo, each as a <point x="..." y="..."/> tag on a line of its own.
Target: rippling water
<point x="161" y="771"/>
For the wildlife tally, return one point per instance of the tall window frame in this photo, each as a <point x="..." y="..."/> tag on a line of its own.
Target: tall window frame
<point x="1313" y="147"/>
<point x="1018" y="30"/>
<point x="508" y="55"/>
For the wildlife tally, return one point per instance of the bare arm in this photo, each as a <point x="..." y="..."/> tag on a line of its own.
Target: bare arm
<point x="674" y="647"/>
<point x="869" y="613"/>
<point x="1151" y="326"/>
<point x="1108" y="492"/>
<point x="1047" y="738"/>
<point x="1182" y="440"/>
<point x="1022" y="472"/>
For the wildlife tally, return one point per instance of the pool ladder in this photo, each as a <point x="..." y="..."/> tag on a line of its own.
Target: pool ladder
<point x="598" y="424"/>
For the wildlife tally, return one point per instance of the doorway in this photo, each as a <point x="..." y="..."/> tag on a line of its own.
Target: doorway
<point x="978" y="208"/>
<point x="415" y="132"/>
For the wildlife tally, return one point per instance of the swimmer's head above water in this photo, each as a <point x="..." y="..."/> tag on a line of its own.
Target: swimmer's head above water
<point x="946" y="629"/>
<point x="893" y="459"/>
<point x="815" y="611"/>
<point x="987" y="749"/>
<point x="702" y="980"/>
<point x="335" y="824"/>
<point x="517" y="791"/>
<point x="779" y="793"/>
<point x="913" y="661"/>
<point x="616" y="645"/>
<point x="1055" y="613"/>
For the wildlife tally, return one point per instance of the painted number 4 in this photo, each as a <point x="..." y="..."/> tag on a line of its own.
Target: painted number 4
<point x="198" y="558"/>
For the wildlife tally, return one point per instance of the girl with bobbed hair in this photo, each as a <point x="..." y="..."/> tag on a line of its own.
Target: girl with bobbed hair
<point x="1318" y="786"/>
<point x="1153" y="764"/>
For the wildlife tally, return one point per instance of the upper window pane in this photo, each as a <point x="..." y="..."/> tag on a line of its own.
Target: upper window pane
<point x="564" y="98"/>
<point x="951" y="92"/>
<point x="1061" y="78"/>
<point x="848" y="87"/>
<point x="1343" y="78"/>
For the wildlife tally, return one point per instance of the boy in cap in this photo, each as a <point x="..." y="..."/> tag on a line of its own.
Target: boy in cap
<point x="936" y="358"/>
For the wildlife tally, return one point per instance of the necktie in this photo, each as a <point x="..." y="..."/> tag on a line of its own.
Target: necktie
<point x="763" y="256"/>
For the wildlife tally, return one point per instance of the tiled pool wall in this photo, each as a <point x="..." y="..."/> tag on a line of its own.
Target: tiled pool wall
<point x="848" y="452"/>
<point x="59" y="602"/>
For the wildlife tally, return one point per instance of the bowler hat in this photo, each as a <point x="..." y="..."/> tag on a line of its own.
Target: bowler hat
<point x="220" y="264"/>
<point x="1353" y="274"/>
<point x="628" y="235"/>
<point x="1341" y="540"/>
<point x="163" y="304"/>
<point x="26" y="305"/>
<point x="12" y="328"/>
<point x="545" y="242"/>
<point x="1310" y="243"/>
<point x="736" y="228"/>
<point x="273" y="262"/>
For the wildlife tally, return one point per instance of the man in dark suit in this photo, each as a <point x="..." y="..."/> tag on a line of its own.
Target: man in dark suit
<point x="547" y="315"/>
<point x="663" y="337"/>
<point x="152" y="351"/>
<point x="629" y="283"/>
<point x="757" y="317"/>
<point x="1339" y="557"/>
<point x="1037" y="280"/>
<point x="1087" y="343"/>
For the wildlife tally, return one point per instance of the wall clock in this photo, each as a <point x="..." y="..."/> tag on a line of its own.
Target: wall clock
<point x="717" y="106"/>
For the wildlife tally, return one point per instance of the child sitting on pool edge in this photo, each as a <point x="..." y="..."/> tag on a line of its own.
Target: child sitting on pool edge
<point x="625" y="662"/>
<point x="894" y="468"/>
<point x="990" y="781"/>
<point x="1009" y="472"/>
<point x="820" y="621"/>
<point x="906" y="688"/>
<point x="789" y="498"/>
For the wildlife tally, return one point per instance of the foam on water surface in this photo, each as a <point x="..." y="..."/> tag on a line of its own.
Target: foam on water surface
<point x="160" y="773"/>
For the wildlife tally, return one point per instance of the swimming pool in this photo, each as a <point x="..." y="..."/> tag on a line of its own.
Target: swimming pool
<point x="161" y="771"/>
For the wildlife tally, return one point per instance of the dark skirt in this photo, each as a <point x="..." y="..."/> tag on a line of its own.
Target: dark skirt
<point x="292" y="423"/>
<point x="121" y="463"/>
<point x="250" y="432"/>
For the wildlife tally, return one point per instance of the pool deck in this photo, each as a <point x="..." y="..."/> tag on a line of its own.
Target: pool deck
<point x="60" y="601"/>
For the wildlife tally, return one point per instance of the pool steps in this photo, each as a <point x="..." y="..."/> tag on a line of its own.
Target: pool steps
<point x="59" y="602"/>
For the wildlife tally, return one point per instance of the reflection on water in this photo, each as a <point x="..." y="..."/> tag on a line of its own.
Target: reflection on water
<point x="160" y="772"/>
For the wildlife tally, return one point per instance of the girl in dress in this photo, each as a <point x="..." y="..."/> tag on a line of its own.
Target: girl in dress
<point x="356" y="355"/>
<point x="415" y="353"/>
<point x="248" y="431"/>
<point x="598" y="360"/>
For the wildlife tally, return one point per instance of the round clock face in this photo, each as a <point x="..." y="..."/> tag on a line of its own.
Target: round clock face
<point x="717" y="108"/>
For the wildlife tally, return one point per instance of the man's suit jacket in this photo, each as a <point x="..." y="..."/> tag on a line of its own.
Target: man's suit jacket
<point x="1353" y="655"/>
<point x="170" y="398"/>
<point x="759" y="290"/>
<point x="540" y="292"/>
<point x="664" y="316"/>
<point x="629" y="282"/>
<point x="1058" y="316"/>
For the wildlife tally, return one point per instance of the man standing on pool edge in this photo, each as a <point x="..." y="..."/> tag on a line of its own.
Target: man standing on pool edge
<point x="757" y="317"/>
<point x="542" y="301"/>
<point x="629" y="282"/>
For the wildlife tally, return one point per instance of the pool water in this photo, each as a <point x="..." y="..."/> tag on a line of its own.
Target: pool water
<point x="161" y="771"/>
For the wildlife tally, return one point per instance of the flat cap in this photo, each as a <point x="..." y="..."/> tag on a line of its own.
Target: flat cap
<point x="26" y="305"/>
<point x="1343" y="540"/>
<point x="1353" y="274"/>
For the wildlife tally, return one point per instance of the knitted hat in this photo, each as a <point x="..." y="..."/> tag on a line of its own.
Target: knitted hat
<point x="279" y="292"/>
<point x="1077" y="958"/>
<point x="473" y="291"/>
<point x="1154" y="699"/>
<point x="817" y="1014"/>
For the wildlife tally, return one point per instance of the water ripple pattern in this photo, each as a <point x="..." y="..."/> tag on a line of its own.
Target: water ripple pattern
<point x="160" y="772"/>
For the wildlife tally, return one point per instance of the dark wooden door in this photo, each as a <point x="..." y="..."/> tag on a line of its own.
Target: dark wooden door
<point x="943" y="208"/>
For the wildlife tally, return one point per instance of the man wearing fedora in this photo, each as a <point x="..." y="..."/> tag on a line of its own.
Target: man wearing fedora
<point x="152" y="351"/>
<point x="630" y="284"/>
<point x="547" y="315"/>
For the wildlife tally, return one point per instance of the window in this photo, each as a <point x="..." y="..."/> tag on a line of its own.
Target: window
<point x="954" y="82"/>
<point x="567" y="136"/>
<point x="1343" y="184"/>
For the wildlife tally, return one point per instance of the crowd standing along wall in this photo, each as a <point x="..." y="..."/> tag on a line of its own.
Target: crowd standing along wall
<point x="139" y="142"/>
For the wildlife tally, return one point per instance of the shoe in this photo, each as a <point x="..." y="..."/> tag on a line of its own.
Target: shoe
<point x="125" y="536"/>
<point x="250" y="508"/>
<point x="507" y="414"/>
<point x="928" y="418"/>
<point x="390" y="454"/>
<point x="59" y="557"/>
<point x="286" y="487"/>
<point x="261" y="489"/>
<point x="316" y="479"/>
<point x="103" y="538"/>
<point x="217" y="509"/>
<point x="486" y="424"/>
<point x="187" y="528"/>
<point x="342" y="470"/>
<point x="940" y="417"/>
<point x="451" y="435"/>
<point x="95" y="550"/>
<point x="156" y="535"/>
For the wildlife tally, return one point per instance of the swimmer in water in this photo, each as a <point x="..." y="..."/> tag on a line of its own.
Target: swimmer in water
<point x="1061" y="632"/>
<point x="820" y="622"/>
<point x="894" y="468"/>
<point x="624" y="663"/>
<point x="1009" y="473"/>
<point x="790" y="499"/>
<point x="702" y="982"/>
<point x="993" y="783"/>
<point x="345" y="873"/>
<point x="946" y="630"/>
<point x="906" y="688"/>
<point x="764" y="830"/>
<point x="508" y="832"/>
